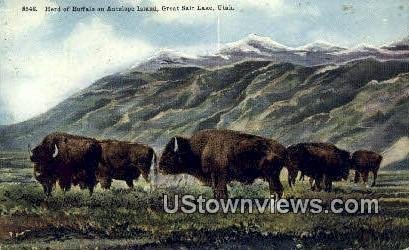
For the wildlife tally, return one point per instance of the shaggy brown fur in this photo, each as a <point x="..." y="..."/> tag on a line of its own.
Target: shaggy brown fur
<point x="75" y="163"/>
<point x="323" y="162"/>
<point x="217" y="157"/>
<point x="124" y="161"/>
<point x="365" y="161"/>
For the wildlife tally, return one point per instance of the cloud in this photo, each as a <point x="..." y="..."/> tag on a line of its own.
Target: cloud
<point x="16" y="22"/>
<point x="33" y="83"/>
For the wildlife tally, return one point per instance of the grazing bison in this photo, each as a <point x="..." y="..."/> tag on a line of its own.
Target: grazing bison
<point x="68" y="159"/>
<point x="125" y="161"/>
<point x="363" y="162"/>
<point x="217" y="157"/>
<point x="323" y="162"/>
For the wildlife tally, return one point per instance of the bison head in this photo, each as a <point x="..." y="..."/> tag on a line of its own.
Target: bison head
<point x="44" y="153"/>
<point x="44" y="171"/>
<point x="175" y="158"/>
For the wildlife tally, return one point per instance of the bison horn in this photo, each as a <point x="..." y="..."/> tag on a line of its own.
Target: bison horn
<point x="55" y="151"/>
<point x="176" y="145"/>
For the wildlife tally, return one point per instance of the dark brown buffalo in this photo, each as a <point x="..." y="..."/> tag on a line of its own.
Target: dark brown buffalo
<point x="125" y="161"/>
<point x="323" y="162"/>
<point x="217" y="157"/>
<point x="66" y="159"/>
<point x="365" y="161"/>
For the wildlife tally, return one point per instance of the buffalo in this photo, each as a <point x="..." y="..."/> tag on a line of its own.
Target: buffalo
<point x="322" y="162"/>
<point x="363" y="162"/>
<point x="125" y="161"/>
<point x="66" y="159"/>
<point x="217" y="157"/>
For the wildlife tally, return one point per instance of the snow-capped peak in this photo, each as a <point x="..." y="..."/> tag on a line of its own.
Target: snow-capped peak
<point x="166" y="57"/>
<point x="170" y="54"/>
<point x="404" y="41"/>
<point x="402" y="44"/>
<point x="359" y="48"/>
<point x="320" y="46"/>
<point x="254" y="43"/>
<point x="255" y="47"/>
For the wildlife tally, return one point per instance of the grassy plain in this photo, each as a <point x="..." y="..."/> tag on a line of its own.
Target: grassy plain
<point x="122" y="218"/>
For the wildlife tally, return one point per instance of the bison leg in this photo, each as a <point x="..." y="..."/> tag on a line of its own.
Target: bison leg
<point x="357" y="176"/>
<point x="91" y="182"/>
<point x="66" y="188"/>
<point x="365" y="176"/>
<point x="275" y="186"/>
<point x="130" y="184"/>
<point x="103" y="175"/>
<point x="47" y="188"/>
<point x="90" y="167"/>
<point x="219" y="186"/>
<point x="327" y="183"/>
<point x="91" y="190"/>
<point x="318" y="183"/>
<point x="292" y="173"/>
<point x="375" y="175"/>
<point x="106" y="183"/>
<point x="292" y="177"/>
<point x="312" y="184"/>
<point x="221" y="191"/>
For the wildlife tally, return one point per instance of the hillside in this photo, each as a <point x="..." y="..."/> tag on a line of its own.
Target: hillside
<point x="360" y="104"/>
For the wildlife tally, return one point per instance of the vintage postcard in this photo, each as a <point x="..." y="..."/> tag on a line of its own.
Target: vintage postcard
<point x="204" y="124"/>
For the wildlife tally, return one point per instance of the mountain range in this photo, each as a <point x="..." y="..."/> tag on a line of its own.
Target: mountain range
<point x="254" y="47"/>
<point x="356" y="98"/>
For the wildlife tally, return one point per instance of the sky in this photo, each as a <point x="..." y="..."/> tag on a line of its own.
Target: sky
<point x="46" y="57"/>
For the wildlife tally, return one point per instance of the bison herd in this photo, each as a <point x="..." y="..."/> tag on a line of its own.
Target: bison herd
<point x="215" y="157"/>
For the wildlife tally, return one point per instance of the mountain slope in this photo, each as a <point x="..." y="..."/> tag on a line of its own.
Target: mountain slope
<point x="361" y="104"/>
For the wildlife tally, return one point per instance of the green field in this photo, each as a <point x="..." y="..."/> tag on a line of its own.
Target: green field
<point x="122" y="218"/>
